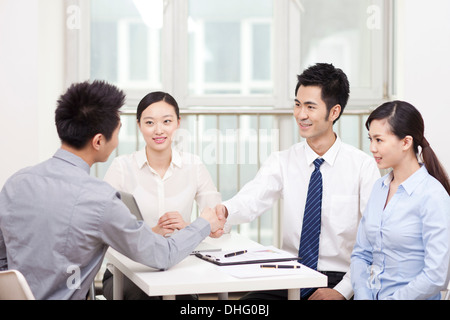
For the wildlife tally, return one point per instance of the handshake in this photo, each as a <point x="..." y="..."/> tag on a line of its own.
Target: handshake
<point x="216" y="218"/>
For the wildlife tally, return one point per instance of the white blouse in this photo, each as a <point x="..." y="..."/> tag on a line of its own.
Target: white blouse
<point x="185" y="180"/>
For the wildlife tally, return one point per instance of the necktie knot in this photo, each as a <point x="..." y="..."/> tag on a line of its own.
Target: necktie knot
<point x="318" y="162"/>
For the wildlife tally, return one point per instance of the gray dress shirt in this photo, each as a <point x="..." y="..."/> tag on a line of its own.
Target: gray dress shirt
<point x="57" y="221"/>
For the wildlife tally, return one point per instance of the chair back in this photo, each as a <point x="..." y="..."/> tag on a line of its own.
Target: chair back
<point x="131" y="203"/>
<point x="14" y="286"/>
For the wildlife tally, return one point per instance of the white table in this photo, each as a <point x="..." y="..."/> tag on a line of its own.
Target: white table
<point x="195" y="276"/>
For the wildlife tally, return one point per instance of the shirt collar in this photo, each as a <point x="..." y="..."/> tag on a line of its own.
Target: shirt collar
<point x="141" y="158"/>
<point x="329" y="156"/>
<point x="388" y="178"/>
<point x="412" y="182"/>
<point x="72" y="159"/>
<point x="176" y="157"/>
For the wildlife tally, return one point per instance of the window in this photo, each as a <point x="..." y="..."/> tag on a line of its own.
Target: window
<point x="230" y="47"/>
<point x="246" y="52"/>
<point x="349" y="34"/>
<point x="126" y="43"/>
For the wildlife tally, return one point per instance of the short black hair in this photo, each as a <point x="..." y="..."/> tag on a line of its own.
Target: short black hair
<point x="153" y="97"/>
<point x="333" y="82"/>
<point x="87" y="109"/>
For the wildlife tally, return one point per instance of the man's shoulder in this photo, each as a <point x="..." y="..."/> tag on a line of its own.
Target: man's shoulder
<point x="102" y="188"/>
<point x="67" y="176"/>
<point x="26" y="172"/>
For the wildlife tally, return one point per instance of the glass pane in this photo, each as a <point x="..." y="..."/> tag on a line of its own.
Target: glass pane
<point x="261" y="42"/>
<point x="342" y="32"/>
<point x="364" y="136"/>
<point x="128" y="135"/>
<point x="230" y="47"/>
<point x="349" y="126"/>
<point x="126" y="42"/>
<point x="227" y="162"/>
<point x="208" y="144"/>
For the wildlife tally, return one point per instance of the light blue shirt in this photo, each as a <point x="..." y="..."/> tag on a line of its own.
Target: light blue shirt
<point x="402" y="251"/>
<point x="57" y="221"/>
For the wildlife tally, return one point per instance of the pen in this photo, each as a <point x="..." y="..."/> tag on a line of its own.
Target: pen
<point x="235" y="253"/>
<point x="279" y="266"/>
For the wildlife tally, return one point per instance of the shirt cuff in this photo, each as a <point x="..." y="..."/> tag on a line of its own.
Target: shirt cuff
<point x="202" y="225"/>
<point x="344" y="287"/>
<point x="231" y="218"/>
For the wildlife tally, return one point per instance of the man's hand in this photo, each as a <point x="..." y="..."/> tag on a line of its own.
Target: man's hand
<point x="222" y="210"/>
<point x="216" y="221"/>
<point x="222" y="213"/>
<point x="326" y="294"/>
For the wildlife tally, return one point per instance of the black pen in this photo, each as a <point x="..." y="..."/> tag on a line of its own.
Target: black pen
<point x="279" y="266"/>
<point x="235" y="253"/>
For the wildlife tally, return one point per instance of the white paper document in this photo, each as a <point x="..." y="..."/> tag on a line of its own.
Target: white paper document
<point x="254" y="270"/>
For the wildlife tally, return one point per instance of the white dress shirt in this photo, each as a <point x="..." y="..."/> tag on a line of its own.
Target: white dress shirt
<point x="186" y="180"/>
<point x="348" y="176"/>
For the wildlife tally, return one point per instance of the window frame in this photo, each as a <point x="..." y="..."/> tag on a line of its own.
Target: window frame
<point x="285" y="56"/>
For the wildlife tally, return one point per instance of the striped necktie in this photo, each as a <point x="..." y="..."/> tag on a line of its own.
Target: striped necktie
<point x="309" y="241"/>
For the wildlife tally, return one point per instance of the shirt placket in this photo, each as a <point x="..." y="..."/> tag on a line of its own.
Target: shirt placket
<point x="161" y="191"/>
<point x="378" y="263"/>
<point x="161" y="196"/>
<point x="388" y="211"/>
<point x="377" y="266"/>
<point x="379" y="258"/>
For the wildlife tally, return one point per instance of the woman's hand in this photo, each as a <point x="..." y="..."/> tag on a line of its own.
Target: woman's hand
<point x="169" y="222"/>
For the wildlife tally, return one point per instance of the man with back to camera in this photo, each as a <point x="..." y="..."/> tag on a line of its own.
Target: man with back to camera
<point x="341" y="179"/>
<point x="56" y="221"/>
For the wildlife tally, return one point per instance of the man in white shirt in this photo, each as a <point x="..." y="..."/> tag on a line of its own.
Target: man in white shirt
<point x="348" y="175"/>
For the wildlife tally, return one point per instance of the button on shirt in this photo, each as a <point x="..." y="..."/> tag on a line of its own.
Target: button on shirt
<point x="402" y="250"/>
<point x="186" y="180"/>
<point x="348" y="175"/>
<point x="57" y="221"/>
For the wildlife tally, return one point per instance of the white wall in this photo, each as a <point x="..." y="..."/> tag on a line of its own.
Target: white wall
<point x="424" y="67"/>
<point x="51" y="75"/>
<point x="31" y="73"/>
<point x="18" y="90"/>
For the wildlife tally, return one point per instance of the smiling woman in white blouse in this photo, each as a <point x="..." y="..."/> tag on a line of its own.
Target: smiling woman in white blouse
<point x="402" y="248"/>
<point x="163" y="180"/>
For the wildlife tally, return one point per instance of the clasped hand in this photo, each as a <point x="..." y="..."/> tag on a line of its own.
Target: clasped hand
<point x="171" y="221"/>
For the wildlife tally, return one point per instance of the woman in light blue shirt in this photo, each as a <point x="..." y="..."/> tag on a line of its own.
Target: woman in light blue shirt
<point x="402" y="249"/>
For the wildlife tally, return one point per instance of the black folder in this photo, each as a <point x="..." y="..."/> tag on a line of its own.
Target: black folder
<point x="219" y="262"/>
